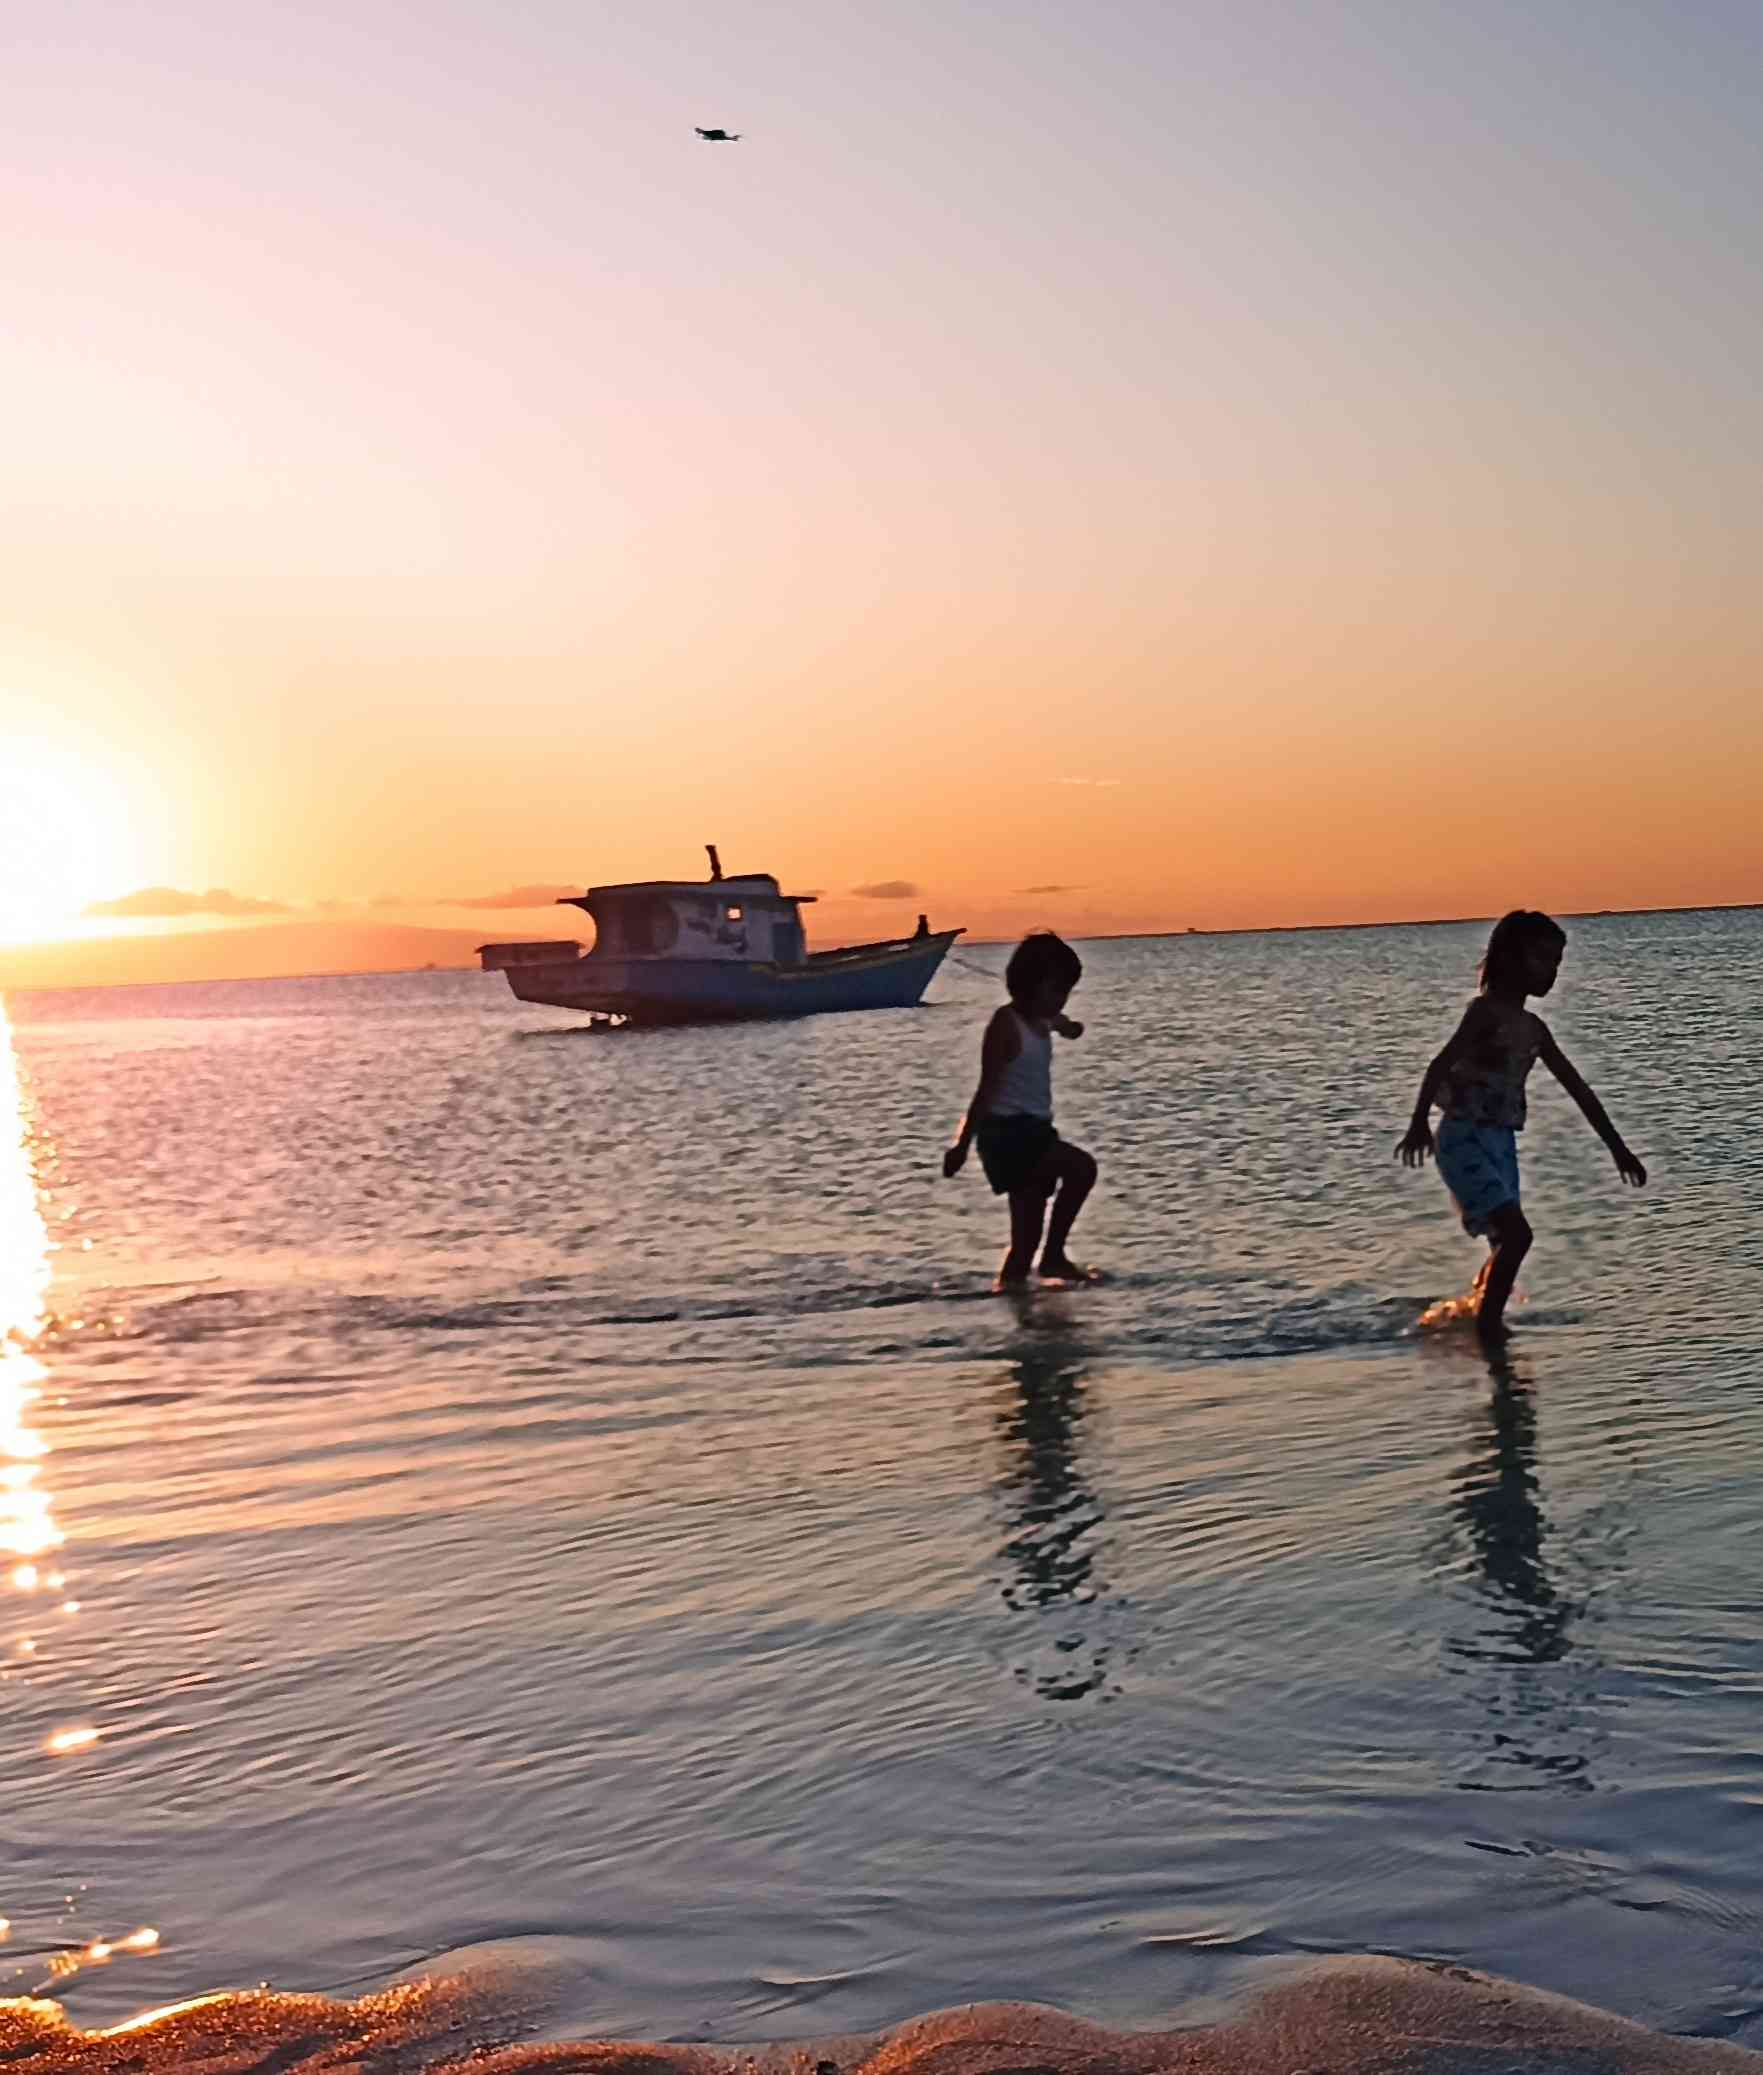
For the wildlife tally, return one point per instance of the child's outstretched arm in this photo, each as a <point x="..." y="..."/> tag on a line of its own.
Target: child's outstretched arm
<point x="1416" y="1142"/>
<point x="1000" y="1045"/>
<point x="1596" y="1115"/>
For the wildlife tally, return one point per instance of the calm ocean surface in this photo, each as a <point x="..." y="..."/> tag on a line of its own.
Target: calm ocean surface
<point x="484" y="1480"/>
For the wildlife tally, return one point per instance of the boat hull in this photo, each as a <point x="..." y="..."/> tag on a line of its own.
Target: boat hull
<point x="698" y="990"/>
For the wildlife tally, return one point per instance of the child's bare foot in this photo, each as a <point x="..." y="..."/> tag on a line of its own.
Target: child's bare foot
<point x="1060" y="1268"/>
<point x="1013" y="1275"/>
<point x="1493" y="1328"/>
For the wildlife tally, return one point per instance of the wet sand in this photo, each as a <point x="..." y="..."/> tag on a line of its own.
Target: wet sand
<point x="1357" y="2016"/>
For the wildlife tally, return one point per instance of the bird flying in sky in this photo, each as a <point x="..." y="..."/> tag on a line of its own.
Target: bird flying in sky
<point x="719" y="136"/>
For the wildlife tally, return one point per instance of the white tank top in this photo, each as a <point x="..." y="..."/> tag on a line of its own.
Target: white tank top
<point x="1025" y="1088"/>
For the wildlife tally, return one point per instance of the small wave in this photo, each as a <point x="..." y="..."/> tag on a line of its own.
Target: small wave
<point x="583" y="1313"/>
<point x="1132" y="1315"/>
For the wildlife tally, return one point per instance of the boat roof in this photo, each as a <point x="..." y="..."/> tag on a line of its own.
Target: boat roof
<point x="758" y="885"/>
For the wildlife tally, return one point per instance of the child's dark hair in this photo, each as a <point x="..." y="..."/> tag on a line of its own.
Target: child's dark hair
<point x="1041" y="958"/>
<point x="1502" y="963"/>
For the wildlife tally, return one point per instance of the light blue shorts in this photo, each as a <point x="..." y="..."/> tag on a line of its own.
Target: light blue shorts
<point x="1479" y="1163"/>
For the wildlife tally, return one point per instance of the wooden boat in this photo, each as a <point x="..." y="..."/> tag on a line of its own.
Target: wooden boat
<point x="708" y="951"/>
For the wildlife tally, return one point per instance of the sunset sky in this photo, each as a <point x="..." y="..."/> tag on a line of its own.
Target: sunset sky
<point x="1125" y="466"/>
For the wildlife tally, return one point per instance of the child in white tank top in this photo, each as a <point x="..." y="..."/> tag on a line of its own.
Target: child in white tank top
<point x="1011" y="1114"/>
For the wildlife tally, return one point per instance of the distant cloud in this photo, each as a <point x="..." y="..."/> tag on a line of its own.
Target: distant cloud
<point x="1049" y="889"/>
<point x="162" y="902"/>
<point x="888" y="890"/>
<point x="1101" y="782"/>
<point x="393" y="900"/>
<point x="515" y="897"/>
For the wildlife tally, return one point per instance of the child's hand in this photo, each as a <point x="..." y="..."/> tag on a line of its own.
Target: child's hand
<point x="954" y="1160"/>
<point x="1629" y="1167"/>
<point x="1415" y="1144"/>
<point x="1068" y="1026"/>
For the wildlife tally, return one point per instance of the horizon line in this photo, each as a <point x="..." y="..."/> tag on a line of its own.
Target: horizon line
<point x="1118" y="936"/>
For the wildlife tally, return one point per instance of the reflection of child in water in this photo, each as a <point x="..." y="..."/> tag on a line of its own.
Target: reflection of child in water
<point x="1011" y="1113"/>
<point x="1477" y="1081"/>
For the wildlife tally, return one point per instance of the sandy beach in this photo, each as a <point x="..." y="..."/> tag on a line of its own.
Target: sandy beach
<point x="1349" y="2016"/>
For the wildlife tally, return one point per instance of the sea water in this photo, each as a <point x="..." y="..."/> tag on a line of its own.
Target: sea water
<point x="476" y="1482"/>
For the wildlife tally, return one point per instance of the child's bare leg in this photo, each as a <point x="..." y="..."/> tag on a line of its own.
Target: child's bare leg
<point x="1028" y="1210"/>
<point x="1509" y="1235"/>
<point x="1076" y="1173"/>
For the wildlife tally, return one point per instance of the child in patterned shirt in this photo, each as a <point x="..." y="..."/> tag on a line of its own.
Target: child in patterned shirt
<point x="1477" y="1082"/>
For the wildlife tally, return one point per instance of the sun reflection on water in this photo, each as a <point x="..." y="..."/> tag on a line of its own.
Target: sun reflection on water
<point x="27" y="1521"/>
<point x="28" y="1532"/>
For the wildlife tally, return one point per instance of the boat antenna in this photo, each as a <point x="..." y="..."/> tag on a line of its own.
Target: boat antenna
<point x="715" y="861"/>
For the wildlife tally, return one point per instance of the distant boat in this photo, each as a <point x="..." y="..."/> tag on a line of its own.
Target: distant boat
<point x="712" y="951"/>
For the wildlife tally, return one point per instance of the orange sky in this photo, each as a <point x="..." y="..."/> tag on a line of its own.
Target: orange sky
<point x="1228" y="465"/>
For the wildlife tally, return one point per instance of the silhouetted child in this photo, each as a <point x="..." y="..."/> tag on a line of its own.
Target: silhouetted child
<point x="1011" y="1113"/>
<point x="1477" y="1082"/>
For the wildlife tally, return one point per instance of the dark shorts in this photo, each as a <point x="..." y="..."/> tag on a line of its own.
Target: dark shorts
<point x="1011" y="1148"/>
<point x="1479" y="1164"/>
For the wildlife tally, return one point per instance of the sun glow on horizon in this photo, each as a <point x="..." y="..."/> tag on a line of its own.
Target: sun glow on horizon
<point x="68" y="836"/>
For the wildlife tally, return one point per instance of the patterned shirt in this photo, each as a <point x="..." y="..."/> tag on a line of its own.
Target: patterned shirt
<point x="1484" y="1084"/>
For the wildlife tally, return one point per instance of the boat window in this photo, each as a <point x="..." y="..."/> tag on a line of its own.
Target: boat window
<point x="646" y="926"/>
<point x="733" y="914"/>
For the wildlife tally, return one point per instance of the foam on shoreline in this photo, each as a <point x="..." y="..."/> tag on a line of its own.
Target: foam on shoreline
<point x="1358" y="2016"/>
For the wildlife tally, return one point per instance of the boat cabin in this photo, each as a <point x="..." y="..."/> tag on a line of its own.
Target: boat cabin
<point x="745" y="920"/>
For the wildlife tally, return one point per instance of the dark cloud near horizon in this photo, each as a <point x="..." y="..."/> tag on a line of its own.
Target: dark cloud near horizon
<point x="1022" y="890"/>
<point x="515" y="897"/>
<point x="512" y="897"/>
<point x="888" y="890"/>
<point x="165" y="902"/>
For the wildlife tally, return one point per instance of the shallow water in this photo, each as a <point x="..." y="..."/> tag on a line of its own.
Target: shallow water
<point x="525" y="1484"/>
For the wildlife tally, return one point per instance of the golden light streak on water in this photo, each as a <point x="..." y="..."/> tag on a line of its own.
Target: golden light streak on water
<point x="27" y="1521"/>
<point x="214" y="2000"/>
<point x="81" y="1738"/>
<point x="101" y="1952"/>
